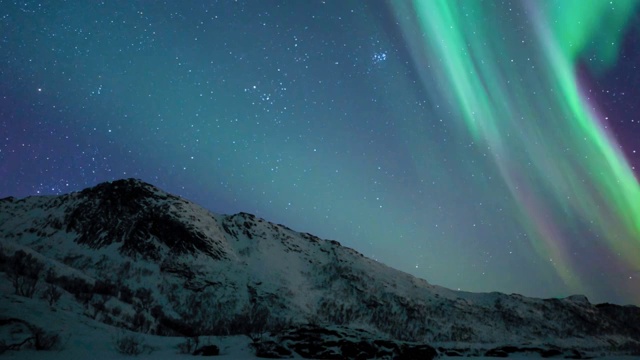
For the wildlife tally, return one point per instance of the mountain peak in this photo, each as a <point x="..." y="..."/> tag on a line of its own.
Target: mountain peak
<point x="145" y="220"/>
<point x="128" y="189"/>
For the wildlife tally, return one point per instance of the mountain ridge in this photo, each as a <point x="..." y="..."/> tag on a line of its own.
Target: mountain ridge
<point x="210" y="271"/>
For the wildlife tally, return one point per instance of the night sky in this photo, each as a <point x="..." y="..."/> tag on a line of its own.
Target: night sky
<point x="480" y="145"/>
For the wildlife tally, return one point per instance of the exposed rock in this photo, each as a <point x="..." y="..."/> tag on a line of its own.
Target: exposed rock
<point x="452" y="353"/>
<point x="314" y="342"/>
<point x="496" y="353"/>
<point x="271" y="350"/>
<point x="415" y="351"/>
<point x="550" y="353"/>
<point x="207" y="350"/>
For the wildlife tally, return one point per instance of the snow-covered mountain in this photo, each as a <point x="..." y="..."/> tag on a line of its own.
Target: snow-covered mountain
<point x="133" y="256"/>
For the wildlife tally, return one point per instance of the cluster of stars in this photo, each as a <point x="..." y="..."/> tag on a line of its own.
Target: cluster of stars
<point x="308" y="114"/>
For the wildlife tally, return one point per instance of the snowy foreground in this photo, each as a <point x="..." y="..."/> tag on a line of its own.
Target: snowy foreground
<point x="94" y="345"/>
<point x="86" y="342"/>
<point x="84" y="338"/>
<point x="169" y="355"/>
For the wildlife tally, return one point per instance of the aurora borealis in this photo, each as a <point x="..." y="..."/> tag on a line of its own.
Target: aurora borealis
<point x="548" y="140"/>
<point x="480" y="145"/>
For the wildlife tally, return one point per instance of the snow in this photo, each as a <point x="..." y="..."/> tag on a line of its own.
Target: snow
<point x="294" y="273"/>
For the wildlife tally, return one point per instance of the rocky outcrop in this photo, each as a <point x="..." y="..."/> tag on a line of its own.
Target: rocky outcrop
<point x="315" y="342"/>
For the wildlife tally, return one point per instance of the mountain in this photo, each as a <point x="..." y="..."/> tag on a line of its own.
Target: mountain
<point x="132" y="256"/>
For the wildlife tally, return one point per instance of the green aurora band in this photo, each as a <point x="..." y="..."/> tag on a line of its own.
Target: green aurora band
<point x="515" y="88"/>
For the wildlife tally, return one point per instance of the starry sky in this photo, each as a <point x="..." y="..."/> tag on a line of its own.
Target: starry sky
<point x="480" y="145"/>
